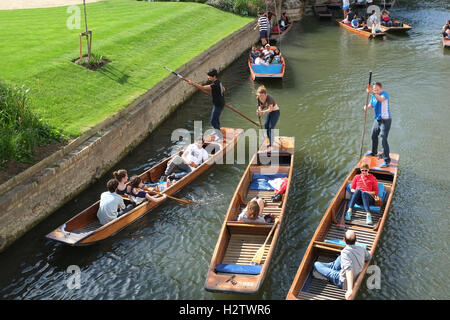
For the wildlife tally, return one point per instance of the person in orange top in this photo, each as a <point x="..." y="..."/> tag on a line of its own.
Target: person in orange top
<point x="364" y="188"/>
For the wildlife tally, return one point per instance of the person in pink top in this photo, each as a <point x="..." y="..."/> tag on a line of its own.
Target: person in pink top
<point x="364" y="188"/>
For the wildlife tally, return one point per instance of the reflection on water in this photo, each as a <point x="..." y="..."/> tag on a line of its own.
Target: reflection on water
<point x="166" y="254"/>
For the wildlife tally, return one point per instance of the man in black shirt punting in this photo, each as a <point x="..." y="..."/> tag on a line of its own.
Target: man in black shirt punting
<point x="217" y="94"/>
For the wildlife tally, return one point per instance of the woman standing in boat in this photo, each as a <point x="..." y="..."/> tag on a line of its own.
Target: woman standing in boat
<point x="268" y="106"/>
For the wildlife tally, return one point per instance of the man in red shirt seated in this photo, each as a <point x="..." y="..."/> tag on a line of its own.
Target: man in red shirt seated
<point x="364" y="188"/>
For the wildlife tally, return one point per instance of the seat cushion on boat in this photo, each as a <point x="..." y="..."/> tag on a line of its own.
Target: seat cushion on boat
<point x="261" y="181"/>
<point x="270" y="69"/>
<point x="240" y="269"/>
<point x="342" y="242"/>
<point x="381" y="194"/>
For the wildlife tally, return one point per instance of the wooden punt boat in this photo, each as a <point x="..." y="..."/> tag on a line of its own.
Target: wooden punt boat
<point x="320" y="248"/>
<point x="445" y="42"/>
<point x="366" y="33"/>
<point x="85" y="229"/>
<point x="322" y="12"/>
<point x="277" y="35"/>
<point x="271" y="71"/>
<point x="402" y="28"/>
<point x="239" y="241"/>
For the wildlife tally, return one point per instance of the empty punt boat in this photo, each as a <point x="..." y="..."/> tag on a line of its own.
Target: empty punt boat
<point x="395" y="27"/>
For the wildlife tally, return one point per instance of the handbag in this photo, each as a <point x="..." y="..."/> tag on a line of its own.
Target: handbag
<point x="377" y="200"/>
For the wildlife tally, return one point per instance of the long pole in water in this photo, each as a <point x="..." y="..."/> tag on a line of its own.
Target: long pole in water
<point x="365" y="115"/>
<point x="207" y="93"/>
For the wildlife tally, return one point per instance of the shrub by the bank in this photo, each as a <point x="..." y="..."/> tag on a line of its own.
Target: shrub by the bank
<point x="241" y="7"/>
<point x="21" y="129"/>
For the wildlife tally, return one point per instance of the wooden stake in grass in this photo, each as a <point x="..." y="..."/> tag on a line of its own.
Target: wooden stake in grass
<point x="88" y="37"/>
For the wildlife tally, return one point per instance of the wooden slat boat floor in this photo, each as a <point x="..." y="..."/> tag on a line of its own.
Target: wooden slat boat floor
<point x="363" y="236"/>
<point x="325" y="289"/>
<point x="90" y="227"/>
<point x="242" y="248"/>
<point x="359" y="219"/>
<point x="321" y="289"/>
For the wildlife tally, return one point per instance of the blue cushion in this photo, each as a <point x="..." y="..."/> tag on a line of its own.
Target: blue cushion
<point x="271" y="69"/>
<point x="342" y="242"/>
<point x="381" y="194"/>
<point x="241" y="269"/>
<point x="261" y="181"/>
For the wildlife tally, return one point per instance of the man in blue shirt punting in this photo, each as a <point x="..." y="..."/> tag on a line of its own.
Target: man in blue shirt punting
<point x="382" y="123"/>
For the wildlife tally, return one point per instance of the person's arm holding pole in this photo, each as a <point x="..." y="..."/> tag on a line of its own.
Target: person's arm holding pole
<point x="206" y="89"/>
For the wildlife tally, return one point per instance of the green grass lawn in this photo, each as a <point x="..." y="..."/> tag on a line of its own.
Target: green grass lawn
<point x="138" y="37"/>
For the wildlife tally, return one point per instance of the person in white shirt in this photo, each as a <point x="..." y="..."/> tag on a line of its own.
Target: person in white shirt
<point x="110" y="203"/>
<point x="268" y="53"/>
<point x="260" y="60"/>
<point x="192" y="157"/>
<point x="373" y="22"/>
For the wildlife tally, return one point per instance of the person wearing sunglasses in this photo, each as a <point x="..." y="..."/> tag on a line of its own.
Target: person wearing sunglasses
<point x="364" y="188"/>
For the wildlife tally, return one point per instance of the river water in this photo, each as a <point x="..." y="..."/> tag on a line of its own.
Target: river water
<point x="166" y="254"/>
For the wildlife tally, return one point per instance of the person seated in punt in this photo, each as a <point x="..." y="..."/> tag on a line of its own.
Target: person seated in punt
<point x="192" y="158"/>
<point x="385" y="19"/>
<point x="268" y="53"/>
<point x="363" y="25"/>
<point x="446" y="26"/>
<point x="254" y="53"/>
<point x="253" y="212"/>
<point x="122" y="176"/>
<point x="260" y="60"/>
<point x="355" y="22"/>
<point x="277" y="56"/>
<point x="284" y="21"/>
<point x="364" y="188"/>
<point x="343" y="271"/>
<point x="111" y="203"/>
<point x="446" y="32"/>
<point x="138" y="195"/>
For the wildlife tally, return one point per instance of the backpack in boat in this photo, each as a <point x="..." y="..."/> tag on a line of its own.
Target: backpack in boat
<point x="279" y="192"/>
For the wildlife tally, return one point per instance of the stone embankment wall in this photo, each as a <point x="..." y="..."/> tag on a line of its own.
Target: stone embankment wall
<point x="33" y="195"/>
<point x="294" y="8"/>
